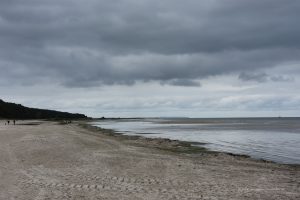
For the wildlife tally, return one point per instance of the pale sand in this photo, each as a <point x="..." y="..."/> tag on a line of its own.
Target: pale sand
<point x="52" y="161"/>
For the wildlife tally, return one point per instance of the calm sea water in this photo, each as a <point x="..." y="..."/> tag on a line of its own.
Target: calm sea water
<point x="275" y="139"/>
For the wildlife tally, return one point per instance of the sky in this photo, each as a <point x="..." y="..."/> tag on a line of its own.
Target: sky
<point x="152" y="58"/>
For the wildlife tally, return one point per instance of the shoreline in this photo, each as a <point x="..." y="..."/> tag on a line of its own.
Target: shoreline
<point x="54" y="160"/>
<point x="176" y="146"/>
<point x="164" y="144"/>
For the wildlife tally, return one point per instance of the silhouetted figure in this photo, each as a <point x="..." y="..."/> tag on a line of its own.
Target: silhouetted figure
<point x="14" y="122"/>
<point x="8" y="122"/>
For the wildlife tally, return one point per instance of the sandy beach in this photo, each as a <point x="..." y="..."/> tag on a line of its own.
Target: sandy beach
<point x="48" y="160"/>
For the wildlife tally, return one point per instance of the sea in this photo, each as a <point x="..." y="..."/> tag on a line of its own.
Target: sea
<point x="273" y="139"/>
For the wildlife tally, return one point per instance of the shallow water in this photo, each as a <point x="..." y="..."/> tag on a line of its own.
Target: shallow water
<point x="275" y="139"/>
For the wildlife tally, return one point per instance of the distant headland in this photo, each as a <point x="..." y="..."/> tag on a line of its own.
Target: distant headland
<point x="18" y="111"/>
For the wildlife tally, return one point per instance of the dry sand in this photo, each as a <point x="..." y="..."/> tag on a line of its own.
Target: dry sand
<point x="52" y="161"/>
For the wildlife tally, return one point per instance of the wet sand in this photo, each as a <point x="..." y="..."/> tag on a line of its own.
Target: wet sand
<point x="55" y="161"/>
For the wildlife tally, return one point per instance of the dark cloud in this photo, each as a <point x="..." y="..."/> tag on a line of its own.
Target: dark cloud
<point x="95" y="42"/>
<point x="259" y="77"/>
<point x="263" y="77"/>
<point x="182" y="82"/>
<point x="280" y="78"/>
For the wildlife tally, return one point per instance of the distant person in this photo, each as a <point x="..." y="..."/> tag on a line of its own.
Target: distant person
<point x="7" y="122"/>
<point x="14" y="122"/>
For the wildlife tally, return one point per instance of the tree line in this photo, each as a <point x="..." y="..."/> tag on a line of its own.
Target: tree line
<point x="17" y="111"/>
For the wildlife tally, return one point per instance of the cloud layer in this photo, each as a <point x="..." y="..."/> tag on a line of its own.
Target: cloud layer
<point x="152" y="57"/>
<point x="80" y="43"/>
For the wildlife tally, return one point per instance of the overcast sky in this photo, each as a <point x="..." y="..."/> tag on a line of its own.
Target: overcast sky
<point x="127" y="58"/>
